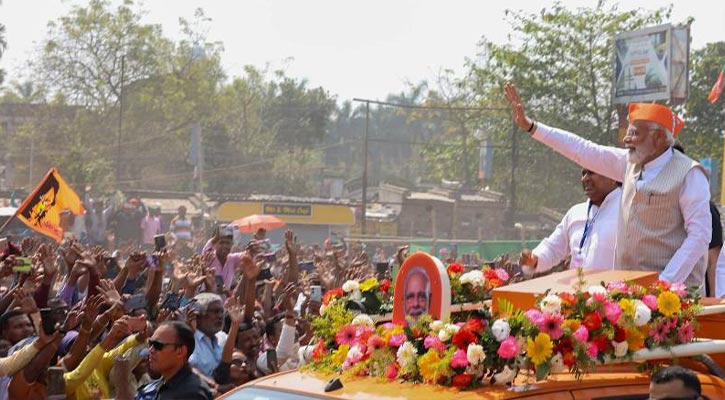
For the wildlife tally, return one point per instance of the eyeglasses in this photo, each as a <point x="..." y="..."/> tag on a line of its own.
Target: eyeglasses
<point x="158" y="346"/>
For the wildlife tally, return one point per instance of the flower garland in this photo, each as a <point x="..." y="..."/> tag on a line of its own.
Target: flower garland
<point x="565" y="331"/>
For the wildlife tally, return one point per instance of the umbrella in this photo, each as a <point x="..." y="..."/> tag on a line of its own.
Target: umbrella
<point x="252" y="223"/>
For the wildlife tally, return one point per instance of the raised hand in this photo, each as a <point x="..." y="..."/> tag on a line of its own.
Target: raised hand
<point x="28" y="245"/>
<point x="109" y="292"/>
<point x="517" y="109"/>
<point x="251" y="268"/>
<point x="24" y="302"/>
<point x="290" y="243"/>
<point x="528" y="259"/>
<point x="402" y="254"/>
<point x="234" y="309"/>
<point x="72" y="320"/>
<point x="91" y="310"/>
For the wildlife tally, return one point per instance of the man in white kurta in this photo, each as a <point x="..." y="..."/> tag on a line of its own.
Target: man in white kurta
<point x="665" y="223"/>
<point x="587" y="233"/>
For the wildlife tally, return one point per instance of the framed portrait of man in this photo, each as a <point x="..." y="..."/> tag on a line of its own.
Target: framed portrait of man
<point x="421" y="287"/>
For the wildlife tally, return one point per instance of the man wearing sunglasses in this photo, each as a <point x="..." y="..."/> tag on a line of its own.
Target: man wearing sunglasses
<point x="170" y="347"/>
<point x="675" y="383"/>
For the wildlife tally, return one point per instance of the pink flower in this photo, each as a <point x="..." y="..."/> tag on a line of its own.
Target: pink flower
<point x="459" y="359"/>
<point x="581" y="334"/>
<point x="397" y="340"/>
<point x="620" y="286"/>
<point x="612" y="311"/>
<point x="434" y="342"/>
<point x="650" y="301"/>
<point x="686" y="332"/>
<point x="502" y="274"/>
<point x="659" y="332"/>
<point x="672" y="323"/>
<point x="679" y="288"/>
<point x="375" y="343"/>
<point x="534" y="316"/>
<point x="391" y="372"/>
<point x="388" y="326"/>
<point x="509" y="348"/>
<point x="551" y="325"/>
<point x="346" y="335"/>
<point x="592" y="350"/>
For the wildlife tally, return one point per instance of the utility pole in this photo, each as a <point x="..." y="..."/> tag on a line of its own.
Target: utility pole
<point x="365" y="171"/>
<point x="514" y="161"/>
<point x="120" y="120"/>
<point x="30" y="168"/>
<point x="200" y="160"/>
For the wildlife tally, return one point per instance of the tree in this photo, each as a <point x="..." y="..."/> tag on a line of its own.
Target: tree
<point x="3" y="46"/>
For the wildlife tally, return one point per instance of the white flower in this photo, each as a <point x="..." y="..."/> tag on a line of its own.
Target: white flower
<point x="597" y="290"/>
<point x="436" y="325"/>
<point x="447" y="332"/>
<point x="323" y="309"/>
<point x="505" y="376"/>
<point x="356" y="295"/>
<point x="474" y="278"/>
<point x="620" y="348"/>
<point x="500" y="329"/>
<point x="642" y="313"/>
<point x="551" y="304"/>
<point x="349" y="286"/>
<point x="363" y="320"/>
<point x="354" y="354"/>
<point x="475" y="354"/>
<point x="406" y="354"/>
<point x="557" y="363"/>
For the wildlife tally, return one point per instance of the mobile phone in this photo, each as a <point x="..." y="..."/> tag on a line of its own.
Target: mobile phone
<point x="46" y="319"/>
<point x="308" y="266"/>
<point x="272" y="360"/>
<point x="22" y="265"/>
<point x="264" y="274"/>
<point x="171" y="302"/>
<point x="137" y="324"/>
<point x="152" y="261"/>
<point x="316" y="293"/>
<point x="136" y="301"/>
<point x="159" y="242"/>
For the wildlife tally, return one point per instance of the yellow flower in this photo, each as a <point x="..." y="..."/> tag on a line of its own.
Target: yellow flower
<point x="628" y="307"/>
<point x="539" y="350"/>
<point x="368" y="284"/>
<point x="668" y="303"/>
<point x="387" y="333"/>
<point x="572" y="324"/>
<point x="339" y="356"/>
<point x="432" y="366"/>
<point x="636" y="336"/>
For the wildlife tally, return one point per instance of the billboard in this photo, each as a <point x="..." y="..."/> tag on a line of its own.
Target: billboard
<point x="651" y="64"/>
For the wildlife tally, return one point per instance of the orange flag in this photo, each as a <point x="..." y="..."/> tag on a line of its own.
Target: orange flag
<point x="42" y="209"/>
<point x="717" y="88"/>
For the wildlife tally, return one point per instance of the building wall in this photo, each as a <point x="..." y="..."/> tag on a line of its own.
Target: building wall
<point x="416" y="219"/>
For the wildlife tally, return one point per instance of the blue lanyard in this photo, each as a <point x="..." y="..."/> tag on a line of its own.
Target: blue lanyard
<point x="588" y="226"/>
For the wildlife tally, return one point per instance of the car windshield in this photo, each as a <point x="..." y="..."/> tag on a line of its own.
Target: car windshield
<point x="254" y="393"/>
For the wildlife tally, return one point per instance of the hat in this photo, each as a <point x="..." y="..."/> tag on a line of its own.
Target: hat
<point x="656" y="113"/>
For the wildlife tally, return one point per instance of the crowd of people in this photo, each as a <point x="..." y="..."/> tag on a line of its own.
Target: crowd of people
<point x="135" y="324"/>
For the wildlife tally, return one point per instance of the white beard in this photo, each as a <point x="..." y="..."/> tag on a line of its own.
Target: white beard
<point x="634" y="156"/>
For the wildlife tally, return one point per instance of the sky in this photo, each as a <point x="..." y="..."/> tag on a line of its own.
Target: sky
<point x="365" y="49"/>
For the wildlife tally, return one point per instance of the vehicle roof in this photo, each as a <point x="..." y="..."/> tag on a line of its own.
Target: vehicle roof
<point x="596" y="384"/>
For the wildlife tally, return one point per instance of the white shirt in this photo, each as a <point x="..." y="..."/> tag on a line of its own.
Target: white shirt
<point x="207" y="351"/>
<point x="612" y="162"/>
<point x="597" y="249"/>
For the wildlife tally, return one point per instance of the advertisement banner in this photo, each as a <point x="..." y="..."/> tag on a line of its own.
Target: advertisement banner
<point x="642" y="65"/>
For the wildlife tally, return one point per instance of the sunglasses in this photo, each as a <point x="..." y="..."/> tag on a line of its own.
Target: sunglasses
<point x="158" y="346"/>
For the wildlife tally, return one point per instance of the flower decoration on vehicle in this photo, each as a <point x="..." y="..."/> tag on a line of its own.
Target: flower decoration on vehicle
<point x="571" y="332"/>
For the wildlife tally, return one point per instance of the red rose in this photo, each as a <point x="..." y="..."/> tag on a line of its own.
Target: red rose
<point x="564" y="345"/>
<point x="601" y="341"/>
<point x="475" y="325"/>
<point x="569" y="358"/>
<point x="385" y="285"/>
<point x="455" y="269"/>
<point x="462" y="380"/>
<point x="592" y="321"/>
<point x="620" y="335"/>
<point x="463" y="338"/>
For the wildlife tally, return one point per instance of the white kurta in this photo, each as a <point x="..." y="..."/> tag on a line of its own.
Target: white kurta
<point x="596" y="250"/>
<point x="612" y="162"/>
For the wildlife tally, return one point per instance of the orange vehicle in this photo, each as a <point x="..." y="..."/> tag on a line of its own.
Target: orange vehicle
<point x="621" y="382"/>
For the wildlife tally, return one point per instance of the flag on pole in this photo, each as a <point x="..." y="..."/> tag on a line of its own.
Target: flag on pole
<point x="42" y="209"/>
<point x="717" y="88"/>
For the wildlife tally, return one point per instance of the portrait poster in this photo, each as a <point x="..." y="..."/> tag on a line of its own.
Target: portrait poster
<point x="421" y="287"/>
